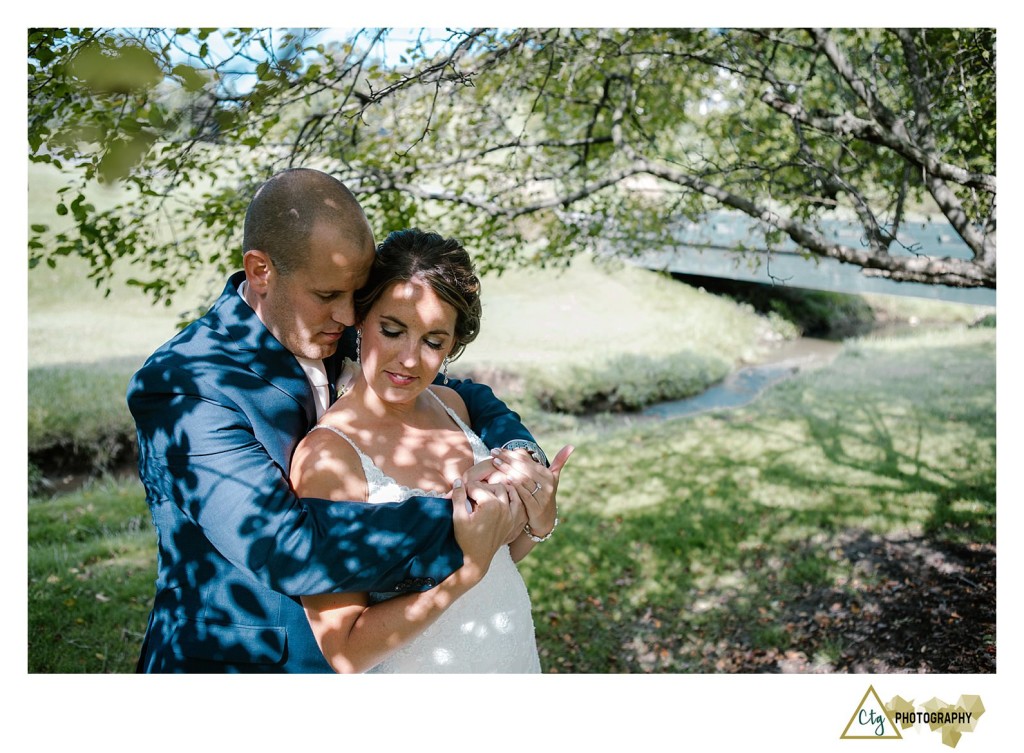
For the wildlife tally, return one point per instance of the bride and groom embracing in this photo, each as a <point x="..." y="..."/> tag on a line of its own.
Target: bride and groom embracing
<point x="319" y="513"/>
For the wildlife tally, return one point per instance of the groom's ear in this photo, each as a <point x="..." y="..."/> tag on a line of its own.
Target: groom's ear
<point x="258" y="269"/>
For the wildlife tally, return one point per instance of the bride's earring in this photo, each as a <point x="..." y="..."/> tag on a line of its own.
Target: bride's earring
<point x="359" y="343"/>
<point x="444" y="370"/>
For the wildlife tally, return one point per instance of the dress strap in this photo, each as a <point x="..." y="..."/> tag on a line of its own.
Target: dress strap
<point x="375" y="477"/>
<point x="480" y="450"/>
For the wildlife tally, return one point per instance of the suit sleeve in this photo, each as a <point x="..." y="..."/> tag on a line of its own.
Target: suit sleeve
<point x="209" y="478"/>
<point x="494" y="422"/>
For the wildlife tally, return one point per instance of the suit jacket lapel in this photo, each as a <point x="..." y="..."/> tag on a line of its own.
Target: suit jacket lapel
<point x="258" y="350"/>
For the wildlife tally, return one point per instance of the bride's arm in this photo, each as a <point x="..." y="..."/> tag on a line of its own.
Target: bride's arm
<point x="521" y="546"/>
<point x="354" y="636"/>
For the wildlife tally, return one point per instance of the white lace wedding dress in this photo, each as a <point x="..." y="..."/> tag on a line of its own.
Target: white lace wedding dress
<point x="488" y="629"/>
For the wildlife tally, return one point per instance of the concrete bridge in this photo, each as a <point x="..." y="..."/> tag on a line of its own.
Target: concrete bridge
<point x="706" y="249"/>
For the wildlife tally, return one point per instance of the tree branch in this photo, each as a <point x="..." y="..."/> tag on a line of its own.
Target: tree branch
<point x="946" y="270"/>
<point x="849" y="124"/>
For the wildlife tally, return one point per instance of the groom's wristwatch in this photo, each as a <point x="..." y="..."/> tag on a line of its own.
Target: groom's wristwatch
<point x="531" y="447"/>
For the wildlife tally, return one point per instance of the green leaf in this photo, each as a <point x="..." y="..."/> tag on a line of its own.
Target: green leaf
<point x="121" y="156"/>
<point x="156" y="117"/>
<point x="191" y="79"/>
<point x="120" y="69"/>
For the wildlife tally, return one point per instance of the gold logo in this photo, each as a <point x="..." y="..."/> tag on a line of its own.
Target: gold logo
<point x="874" y="720"/>
<point x="951" y="720"/>
<point x="871" y="720"/>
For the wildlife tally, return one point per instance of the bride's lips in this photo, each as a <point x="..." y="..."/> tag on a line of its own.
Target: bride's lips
<point x="400" y="380"/>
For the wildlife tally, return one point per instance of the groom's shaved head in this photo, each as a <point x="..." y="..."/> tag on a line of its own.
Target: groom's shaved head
<point x="281" y="216"/>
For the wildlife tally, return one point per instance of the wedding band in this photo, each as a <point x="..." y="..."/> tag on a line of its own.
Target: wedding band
<point x="536" y="489"/>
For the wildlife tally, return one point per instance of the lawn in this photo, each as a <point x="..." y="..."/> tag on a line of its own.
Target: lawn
<point x="784" y="536"/>
<point x="764" y="539"/>
<point x="729" y="542"/>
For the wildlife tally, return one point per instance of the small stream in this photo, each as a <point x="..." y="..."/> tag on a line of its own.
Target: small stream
<point x="743" y="385"/>
<point x="783" y="361"/>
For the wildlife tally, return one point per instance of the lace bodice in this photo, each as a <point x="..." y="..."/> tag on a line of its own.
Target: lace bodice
<point x="490" y="628"/>
<point x="381" y="487"/>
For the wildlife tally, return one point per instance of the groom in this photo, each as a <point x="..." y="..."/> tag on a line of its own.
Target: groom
<point x="219" y="410"/>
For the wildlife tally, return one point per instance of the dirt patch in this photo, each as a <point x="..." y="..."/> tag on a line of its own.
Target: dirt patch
<point x="910" y="605"/>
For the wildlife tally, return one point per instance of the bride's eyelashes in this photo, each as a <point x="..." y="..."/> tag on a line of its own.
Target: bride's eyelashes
<point x="392" y="333"/>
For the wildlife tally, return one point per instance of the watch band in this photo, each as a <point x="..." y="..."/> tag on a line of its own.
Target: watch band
<point x="531" y="447"/>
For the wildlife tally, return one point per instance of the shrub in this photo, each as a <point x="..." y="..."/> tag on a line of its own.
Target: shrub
<point x="626" y="382"/>
<point x="77" y="416"/>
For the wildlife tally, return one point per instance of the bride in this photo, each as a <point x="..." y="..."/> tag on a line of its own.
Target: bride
<point x="392" y="434"/>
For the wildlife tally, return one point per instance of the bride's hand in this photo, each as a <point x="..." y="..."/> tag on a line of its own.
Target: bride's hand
<point x="485" y="518"/>
<point x="485" y="472"/>
<point x="534" y="484"/>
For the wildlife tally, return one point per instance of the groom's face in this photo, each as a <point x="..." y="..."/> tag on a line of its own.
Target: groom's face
<point x="308" y="309"/>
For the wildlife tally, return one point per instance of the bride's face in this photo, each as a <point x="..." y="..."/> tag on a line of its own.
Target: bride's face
<point x="405" y="338"/>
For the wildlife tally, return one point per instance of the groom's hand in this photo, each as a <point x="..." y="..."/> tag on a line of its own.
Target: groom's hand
<point x="485" y="474"/>
<point x="485" y="519"/>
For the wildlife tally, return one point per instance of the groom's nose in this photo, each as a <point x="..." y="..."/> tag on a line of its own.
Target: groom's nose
<point x="344" y="311"/>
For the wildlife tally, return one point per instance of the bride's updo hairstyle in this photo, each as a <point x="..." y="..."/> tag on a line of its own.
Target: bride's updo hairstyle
<point x="442" y="263"/>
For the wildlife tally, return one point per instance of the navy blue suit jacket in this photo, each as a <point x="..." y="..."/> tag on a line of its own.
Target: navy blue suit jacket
<point x="219" y="410"/>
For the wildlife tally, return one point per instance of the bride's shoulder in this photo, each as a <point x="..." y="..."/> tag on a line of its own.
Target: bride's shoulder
<point x="326" y="466"/>
<point x="451" y="399"/>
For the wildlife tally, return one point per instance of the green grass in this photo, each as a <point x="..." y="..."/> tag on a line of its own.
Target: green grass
<point x="88" y="416"/>
<point x="579" y="314"/>
<point x="91" y="565"/>
<point x="683" y="536"/>
<point x="608" y="336"/>
<point x="677" y="537"/>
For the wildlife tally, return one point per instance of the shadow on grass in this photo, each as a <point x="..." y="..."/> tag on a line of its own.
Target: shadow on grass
<point x="845" y="524"/>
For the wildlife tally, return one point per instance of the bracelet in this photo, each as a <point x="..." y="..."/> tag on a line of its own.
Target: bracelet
<point x="539" y="539"/>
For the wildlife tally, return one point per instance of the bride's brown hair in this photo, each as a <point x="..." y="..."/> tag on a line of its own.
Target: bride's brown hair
<point x="440" y="262"/>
